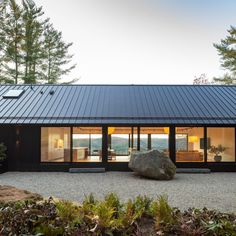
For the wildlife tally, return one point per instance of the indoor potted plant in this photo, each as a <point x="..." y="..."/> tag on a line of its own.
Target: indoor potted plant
<point x="3" y="157"/>
<point x="217" y="150"/>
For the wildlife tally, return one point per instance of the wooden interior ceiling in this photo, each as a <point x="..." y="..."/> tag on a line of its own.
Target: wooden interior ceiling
<point x="87" y="130"/>
<point x="121" y="130"/>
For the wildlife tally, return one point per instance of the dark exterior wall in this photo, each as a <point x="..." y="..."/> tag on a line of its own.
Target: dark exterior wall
<point x="23" y="147"/>
<point x="7" y="136"/>
<point x="23" y="143"/>
<point x="29" y="148"/>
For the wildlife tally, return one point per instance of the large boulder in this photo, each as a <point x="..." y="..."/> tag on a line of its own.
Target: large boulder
<point x="152" y="164"/>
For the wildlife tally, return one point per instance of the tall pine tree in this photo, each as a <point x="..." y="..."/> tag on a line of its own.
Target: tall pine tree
<point x="33" y="27"/>
<point x="227" y="52"/>
<point x="10" y="41"/>
<point x="31" y="50"/>
<point x="56" y="56"/>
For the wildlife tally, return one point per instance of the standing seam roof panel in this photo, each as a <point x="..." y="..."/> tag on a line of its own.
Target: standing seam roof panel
<point x="186" y="105"/>
<point x="96" y="104"/>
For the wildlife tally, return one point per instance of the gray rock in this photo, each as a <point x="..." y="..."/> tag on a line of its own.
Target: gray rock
<point x="152" y="164"/>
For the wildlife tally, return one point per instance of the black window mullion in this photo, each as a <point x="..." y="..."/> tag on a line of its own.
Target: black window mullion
<point x="172" y="144"/>
<point x="205" y="144"/>
<point x="138" y="139"/>
<point x="105" y="145"/>
<point x="71" y="144"/>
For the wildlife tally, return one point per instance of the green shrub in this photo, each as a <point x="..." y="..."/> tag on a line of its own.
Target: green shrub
<point x="87" y="209"/>
<point x="104" y="217"/>
<point x="221" y="227"/>
<point x="140" y="216"/>
<point x="67" y="211"/>
<point x="142" y="205"/>
<point x="49" y="230"/>
<point x="112" y="200"/>
<point x="161" y="211"/>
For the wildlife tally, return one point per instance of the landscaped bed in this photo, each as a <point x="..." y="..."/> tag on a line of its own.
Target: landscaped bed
<point x="12" y="194"/>
<point x="140" y="216"/>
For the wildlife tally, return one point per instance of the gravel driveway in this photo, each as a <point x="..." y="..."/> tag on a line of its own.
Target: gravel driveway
<point x="215" y="190"/>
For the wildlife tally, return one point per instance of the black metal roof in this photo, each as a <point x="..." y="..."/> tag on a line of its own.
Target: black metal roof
<point x="120" y="104"/>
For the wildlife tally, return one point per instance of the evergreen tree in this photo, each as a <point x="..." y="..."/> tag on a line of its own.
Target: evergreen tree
<point x="227" y="78"/>
<point x="56" y="56"/>
<point x="227" y="52"/>
<point x="10" y="41"/>
<point x="31" y="50"/>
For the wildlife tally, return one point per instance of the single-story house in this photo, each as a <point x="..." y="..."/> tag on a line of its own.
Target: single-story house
<point x="57" y="127"/>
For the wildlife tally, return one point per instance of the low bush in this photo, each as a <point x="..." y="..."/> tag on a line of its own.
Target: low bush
<point x="139" y="216"/>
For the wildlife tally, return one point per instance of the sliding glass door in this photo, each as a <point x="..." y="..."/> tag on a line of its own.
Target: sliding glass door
<point x="87" y="144"/>
<point x="121" y="142"/>
<point x="189" y="142"/>
<point x="155" y="138"/>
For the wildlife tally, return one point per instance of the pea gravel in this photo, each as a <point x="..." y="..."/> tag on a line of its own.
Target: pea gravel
<point x="214" y="190"/>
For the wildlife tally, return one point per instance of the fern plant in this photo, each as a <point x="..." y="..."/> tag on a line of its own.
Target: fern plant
<point x="162" y="211"/>
<point x="68" y="211"/>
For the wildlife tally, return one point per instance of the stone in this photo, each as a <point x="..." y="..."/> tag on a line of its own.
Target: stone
<point x="152" y="164"/>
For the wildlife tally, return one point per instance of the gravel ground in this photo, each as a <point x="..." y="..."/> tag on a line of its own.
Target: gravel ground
<point x="215" y="190"/>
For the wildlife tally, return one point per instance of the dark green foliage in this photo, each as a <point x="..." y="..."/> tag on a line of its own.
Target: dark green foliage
<point x="32" y="40"/>
<point x="55" y="51"/>
<point x="161" y="211"/>
<point x="31" y="50"/>
<point x="140" y="216"/>
<point x="217" y="149"/>
<point x="67" y="211"/>
<point x="227" y="52"/>
<point x="11" y="36"/>
<point x="3" y="150"/>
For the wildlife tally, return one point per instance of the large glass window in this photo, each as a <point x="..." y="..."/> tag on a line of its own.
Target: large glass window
<point x="55" y="144"/>
<point x="189" y="144"/>
<point x="87" y="144"/>
<point x="221" y="144"/>
<point x="121" y="142"/>
<point x="155" y="138"/>
<point x="143" y="142"/>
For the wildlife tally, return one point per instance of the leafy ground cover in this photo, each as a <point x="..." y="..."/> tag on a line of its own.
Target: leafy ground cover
<point x="139" y="216"/>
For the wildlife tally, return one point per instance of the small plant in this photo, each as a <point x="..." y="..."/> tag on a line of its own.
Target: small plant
<point x="104" y="217"/>
<point x="216" y="149"/>
<point x="112" y="200"/>
<point x="49" y="230"/>
<point x="142" y="205"/>
<point x="3" y="150"/>
<point x="162" y="211"/>
<point x="68" y="211"/>
<point x="88" y="206"/>
<point x="140" y="216"/>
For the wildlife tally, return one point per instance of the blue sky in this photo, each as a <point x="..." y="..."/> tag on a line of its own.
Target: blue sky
<point x="143" y="41"/>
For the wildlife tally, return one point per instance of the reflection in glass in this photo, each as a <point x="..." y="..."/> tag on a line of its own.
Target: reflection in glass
<point x="221" y="144"/>
<point x="155" y="138"/>
<point x="189" y="144"/>
<point x="55" y="144"/>
<point x="121" y="142"/>
<point x="87" y="144"/>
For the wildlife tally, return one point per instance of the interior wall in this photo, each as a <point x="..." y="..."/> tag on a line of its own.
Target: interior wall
<point x="199" y="132"/>
<point x="192" y="131"/>
<point x="51" y="149"/>
<point x="224" y="137"/>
